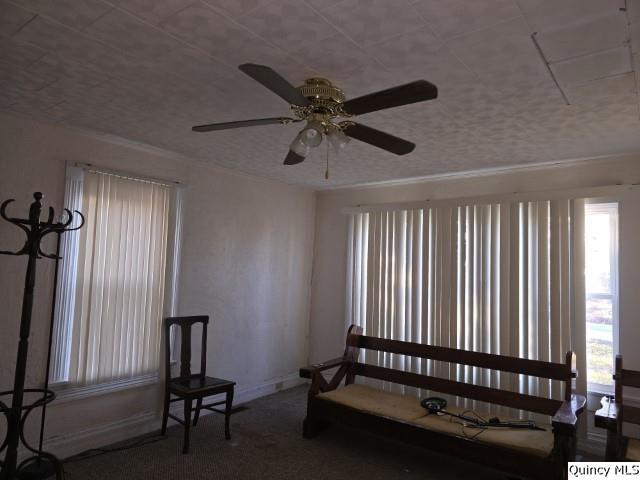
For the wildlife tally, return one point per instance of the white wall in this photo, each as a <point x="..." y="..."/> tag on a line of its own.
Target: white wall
<point x="327" y="328"/>
<point x="246" y="261"/>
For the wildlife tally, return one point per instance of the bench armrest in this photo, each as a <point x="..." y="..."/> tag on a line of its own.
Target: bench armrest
<point x="607" y="415"/>
<point x="310" y="370"/>
<point x="566" y="418"/>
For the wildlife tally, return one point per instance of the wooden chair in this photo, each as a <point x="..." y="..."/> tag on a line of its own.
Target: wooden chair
<point x="613" y="414"/>
<point x="189" y="387"/>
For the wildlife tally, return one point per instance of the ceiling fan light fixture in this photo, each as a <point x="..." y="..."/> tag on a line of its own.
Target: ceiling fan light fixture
<point x="321" y="104"/>
<point x="299" y="146"/>
<point x="311" y="135"/>
<point x="338" y="140"/>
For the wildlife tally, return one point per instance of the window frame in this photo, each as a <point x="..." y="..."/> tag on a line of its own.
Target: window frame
<point x="594" y="206"/>
<point x="65" y="391"/>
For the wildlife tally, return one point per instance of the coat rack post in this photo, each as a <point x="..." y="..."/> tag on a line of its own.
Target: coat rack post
<point x="42" y="464"/>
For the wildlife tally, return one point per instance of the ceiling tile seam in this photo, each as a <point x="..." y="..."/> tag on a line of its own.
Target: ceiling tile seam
<point x="445" y="42"/>
<point x="637" y="82"/>
<point x="488" y="27"/>
<point x="243" y="27"/>
<point x="98" y="18"/>
<point x="91" y="68"/>
<point x="426" y="26"/>
<point x="524" y="15"/>
<point x="397" y="36"/>
<point x="31" y="64"/>
<point x="60" y="24"/>
<point x="589" y="54"/>
<point x="604" y="77"/>
<point x="172" y="36"/>
<point x="547" y="65"/>
<point x="469" y="69"/>
<point x="347" y="36"/>
<point x="110" y="47"/>
<point x="21" y="27"/>
<point x="228" y="15"/>
<point x="427" y="23"/>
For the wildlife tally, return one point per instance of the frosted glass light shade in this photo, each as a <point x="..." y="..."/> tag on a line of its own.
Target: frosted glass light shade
<point x="338" y="140"/>
<point x="311" y="135"/>
<point x="298" y="146"/>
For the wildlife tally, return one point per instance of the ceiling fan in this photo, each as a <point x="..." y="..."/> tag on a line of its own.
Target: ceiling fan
<point x="321" y="104"/>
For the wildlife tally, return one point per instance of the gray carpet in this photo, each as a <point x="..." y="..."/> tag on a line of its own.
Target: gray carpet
<point x="267" y="444"/>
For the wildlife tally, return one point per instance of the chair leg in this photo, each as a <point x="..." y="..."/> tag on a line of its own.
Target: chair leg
<point x="188" y="404"/>
<point x="227" y="414"/>
<point x="165" y="412"/>
<point x="197" y="415"/>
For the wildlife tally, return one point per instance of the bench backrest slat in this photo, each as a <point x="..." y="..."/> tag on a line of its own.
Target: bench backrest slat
<point x="506" y="398"/>
<point x="538" y="368"/>
<point x="631" y="414"/>
<point x="625" y="378"/>
<point x="630" y="378"/>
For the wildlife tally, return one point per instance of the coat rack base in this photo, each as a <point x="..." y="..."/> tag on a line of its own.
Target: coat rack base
<point x="39" y="465"/>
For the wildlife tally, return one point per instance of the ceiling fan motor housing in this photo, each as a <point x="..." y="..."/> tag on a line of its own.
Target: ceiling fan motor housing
<point x="326" y="100"/>
<point x="321" y="89"/>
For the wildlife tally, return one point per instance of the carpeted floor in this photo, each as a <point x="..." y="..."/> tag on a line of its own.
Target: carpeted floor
<point x="267" y="444"/>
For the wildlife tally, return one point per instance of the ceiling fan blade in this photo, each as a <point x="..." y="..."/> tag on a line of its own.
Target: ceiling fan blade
<point x="274" y="82"/>
<point x="418" y="91"/>
<point x="379" y="139"/>
<point x="243" y="123"/>
<point x="293" y="158"/>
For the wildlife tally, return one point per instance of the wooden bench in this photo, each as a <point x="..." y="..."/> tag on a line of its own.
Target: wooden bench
<point x="612" y="415"/>
<point x="525" y="453"/>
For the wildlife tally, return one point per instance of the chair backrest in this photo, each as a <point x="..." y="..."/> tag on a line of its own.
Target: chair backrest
<point x="185" y="324"/>
<point x="626" y="378"/>
<point x="563" y="372"/>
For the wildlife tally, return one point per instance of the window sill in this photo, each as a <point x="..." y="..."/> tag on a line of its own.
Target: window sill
<point x="68" y="393"/>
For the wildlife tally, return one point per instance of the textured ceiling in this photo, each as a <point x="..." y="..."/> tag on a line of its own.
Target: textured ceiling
<point x="147" y="70"/>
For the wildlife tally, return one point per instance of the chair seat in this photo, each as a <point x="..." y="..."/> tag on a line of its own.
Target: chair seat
<point x="196" y="385"/>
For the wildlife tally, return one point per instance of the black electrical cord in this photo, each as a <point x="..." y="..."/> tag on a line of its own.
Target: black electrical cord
<point x="437" y="405"/>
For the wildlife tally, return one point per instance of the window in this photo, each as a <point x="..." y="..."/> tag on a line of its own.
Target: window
<point x="601" y="288"/>
<point x="111" y="291"/>
<point x="494" y="277"/>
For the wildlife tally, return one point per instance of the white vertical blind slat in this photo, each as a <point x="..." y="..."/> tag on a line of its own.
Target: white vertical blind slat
<point x="486" y="277"/>
<point x="62" y="345"/>
<point x="120" y="279"/>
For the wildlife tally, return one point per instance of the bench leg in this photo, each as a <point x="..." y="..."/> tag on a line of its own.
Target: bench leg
<point x="188" y="404"/>
<point x="227" y="414"/>
<point x="311" y="426"/>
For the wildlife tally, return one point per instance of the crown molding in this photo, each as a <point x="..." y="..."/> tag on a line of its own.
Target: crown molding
<point x="192" y="161"/>
<point x="150" y="149"/>
<point x="485" y="172"/>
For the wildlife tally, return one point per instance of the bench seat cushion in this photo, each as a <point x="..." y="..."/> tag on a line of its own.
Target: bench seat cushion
<point x="376" y="401"/>
<point x="532" y="442"/>
<point x="633" y="450"/>
<point x="407" y="408"/>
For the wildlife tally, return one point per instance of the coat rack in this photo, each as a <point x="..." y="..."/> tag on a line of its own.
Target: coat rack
<point x="41" y="464"/>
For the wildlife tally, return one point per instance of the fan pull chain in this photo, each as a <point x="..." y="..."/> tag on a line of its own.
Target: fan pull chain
<point x="326" y="172"/>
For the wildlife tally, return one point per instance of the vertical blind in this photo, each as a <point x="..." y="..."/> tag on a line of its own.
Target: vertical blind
<point x="487" y="277"/>
<point x="113" y="329"/>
